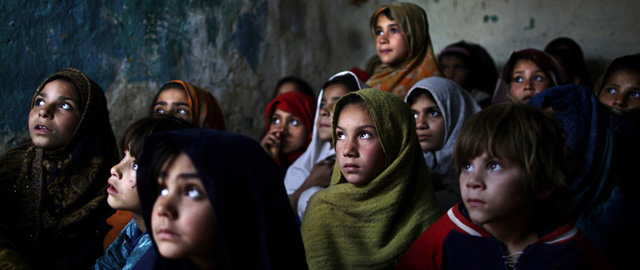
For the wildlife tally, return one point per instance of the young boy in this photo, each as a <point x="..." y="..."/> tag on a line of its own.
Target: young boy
<point x="516" y="207"/>
<point x="134" y="240"/>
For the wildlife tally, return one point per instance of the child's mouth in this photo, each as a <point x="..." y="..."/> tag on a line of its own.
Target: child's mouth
<point x="42" y="129"/>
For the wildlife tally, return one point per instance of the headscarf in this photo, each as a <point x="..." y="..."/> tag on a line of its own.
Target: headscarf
<point x="457" y="107"/>
<point x="54" y="201"/>
<point x="256" y="226"/>
<point x="607" y="215"/>
<point x="204" y="108"/>
<point x="541" y="59"/>
<point x="300" y="105"/>
<point x="364" y="227"/>
<point x="316" y="151"/>
<point x="421" y="61"/>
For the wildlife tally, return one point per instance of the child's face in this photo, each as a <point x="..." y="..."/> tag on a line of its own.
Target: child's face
<point x="293" y="134"/>
<point x="173" y="101"/>
<point x="182" y="220"/>
<point x="123" y="194"/>
<point x="358" y="148"/>
<point x="389" y="41"/>
<point x="55" y="115"/>
<point x="527" y="80"/>
<point x="455" y="69"/>
<point x="329" y="98"/>
<point x="494" y="190"/>
<point x="429" y="123"/>
<point x="622" y="90"/>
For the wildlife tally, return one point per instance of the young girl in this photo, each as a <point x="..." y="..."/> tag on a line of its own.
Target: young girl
<point x="215" y="200"/>
<point x="605" y="184"/>
<point x="189" y="102"/>
<point x="440" y="108"/>
<point x="312" y="170"/>
<point x="381" y="196"/>
<point x="52" y="189"/>
<point x="471" y="67"/>
<point x="526" y="73"/>
<point x="401" y="34"/>
<point x="289" y="121"/>
<point x="620" y="90"/>
<point x="516" y="208"/>
<point x="134" y="240"/>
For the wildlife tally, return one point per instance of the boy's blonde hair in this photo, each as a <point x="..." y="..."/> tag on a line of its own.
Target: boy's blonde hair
<point x="530" y="137"/>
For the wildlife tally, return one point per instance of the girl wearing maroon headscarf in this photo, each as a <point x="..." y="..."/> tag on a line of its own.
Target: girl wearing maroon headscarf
<point x="289" y="121"/>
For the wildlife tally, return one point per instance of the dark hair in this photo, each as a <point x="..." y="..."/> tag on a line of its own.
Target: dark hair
<point x="544" y="61"/>
<point x="531" y="138"/>
<point x="569" y="55"/>
<point x="303" y="86"/>
<point x="628" y="62"/>
<point x="347" y="80"/>
<point x="164" y="153"/>
<point x="162" y="88"/>
<point x="418" y="92"/>
<point x="348" y="100"/>
<point x="136" y="134"/>
<point x="482" y="70"/>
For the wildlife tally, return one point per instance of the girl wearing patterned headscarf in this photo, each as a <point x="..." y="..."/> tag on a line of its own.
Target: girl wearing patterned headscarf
<point x="52" y="187"/>
<point x="403" y="44"/>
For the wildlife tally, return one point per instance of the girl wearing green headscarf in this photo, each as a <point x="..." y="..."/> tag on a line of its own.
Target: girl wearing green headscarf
<point x="381" y="196"/>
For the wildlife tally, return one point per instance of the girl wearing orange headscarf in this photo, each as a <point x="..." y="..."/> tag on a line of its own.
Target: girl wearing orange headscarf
<point x="401" y="35"/>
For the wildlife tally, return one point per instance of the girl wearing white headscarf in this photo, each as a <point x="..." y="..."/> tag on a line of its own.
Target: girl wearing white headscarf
<point x="454" y="107"/>
<point x="302" y="177"/>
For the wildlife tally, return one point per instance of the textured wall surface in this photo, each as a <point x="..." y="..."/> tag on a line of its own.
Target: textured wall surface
<point x="237" y="50"/>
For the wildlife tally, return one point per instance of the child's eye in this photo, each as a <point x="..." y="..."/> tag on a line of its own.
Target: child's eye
<point x="164" y="191"/>
<point x="434" y="113"/>
<point x="134" y="166"/>
<point x="340" y="136"/>
<point x="395" y="30"/>
<point x="39" y="102"/>
<point x="194" y="193"/>
<point x="159" y="111"/>
<point x="611" y="90"/>
<point x="415" y="115"/>
<point x="379" y="32"/>
<point x="518" y="79"/>
<point x="538" y="78"/>
<point x="467" y="167"/>
<point x="322" y="105"/>
<point x="635" y="94"/>
<point x="66" y="106"/>
<point x="182" y="111"/>
<point x="495" y="166"/>
<point x="294" y="122"/>
<point x="366" y="135"/>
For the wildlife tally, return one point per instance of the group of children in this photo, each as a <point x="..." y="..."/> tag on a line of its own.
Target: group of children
<point x="408" y="170"/>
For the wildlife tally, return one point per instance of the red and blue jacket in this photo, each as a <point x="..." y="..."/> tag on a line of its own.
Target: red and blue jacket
<point x="455" y="242"/>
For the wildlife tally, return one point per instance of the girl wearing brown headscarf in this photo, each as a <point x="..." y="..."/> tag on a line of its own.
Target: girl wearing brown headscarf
<point x="52" y="186"/>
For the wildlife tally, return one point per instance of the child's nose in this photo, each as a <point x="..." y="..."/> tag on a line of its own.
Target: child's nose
<point x="620" y="101"/>
<point x="349" y="149"/>
<point x="165" y="207"/>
